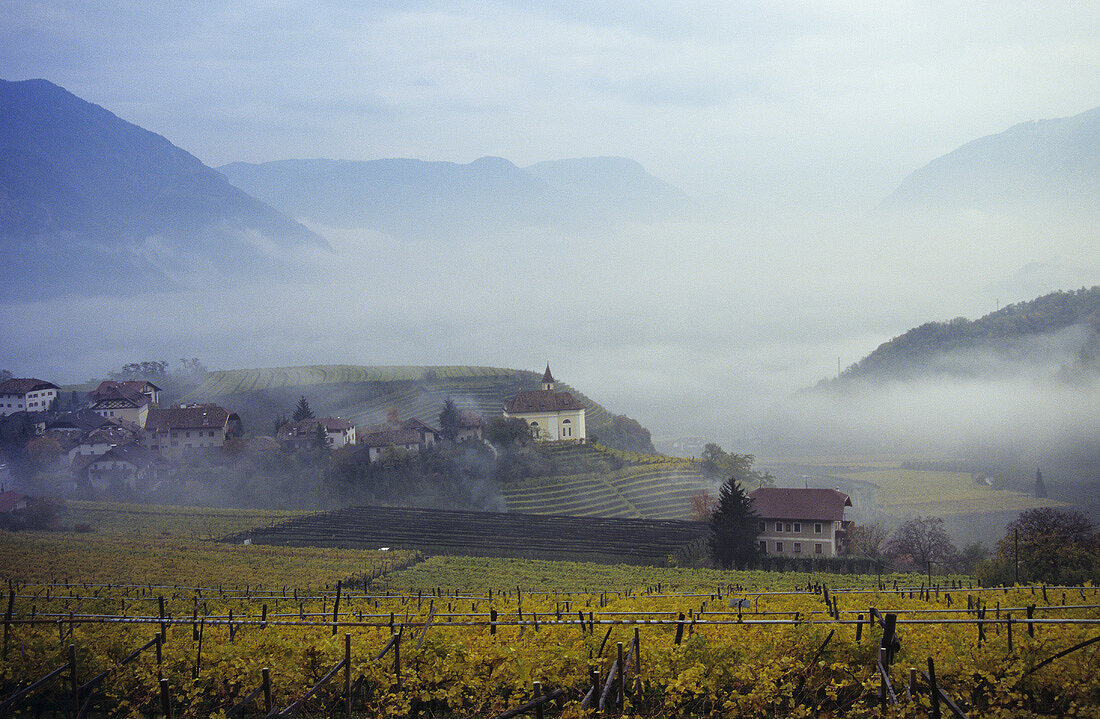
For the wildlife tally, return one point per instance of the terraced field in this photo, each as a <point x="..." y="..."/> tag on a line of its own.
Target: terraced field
<point x="658" y="490"/>
<point x="486" y="534"/>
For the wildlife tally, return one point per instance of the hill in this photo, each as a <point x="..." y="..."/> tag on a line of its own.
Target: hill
<point x="94" y="204"/>
<point x="365" y="395"/>
<point x="1059" y="332"/>
<point x="1052" y="163"/>
<point x="426" y="200"/>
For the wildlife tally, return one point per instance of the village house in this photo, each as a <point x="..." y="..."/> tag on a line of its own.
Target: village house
<point x="26" y="394"/>
<point x="101" y="440"/>
<point x="298" y="435"/>
<point x="175" y="430"/>
<point x="377" y="441"/>
<point x="11" y="502"/>
<point x="801" y="522"/>
<point x="129" y="466"/>
<point x="470" y="425"/>
<point x="426" y="434"/>
<point x="130" y="400"/>
<point x="551" y="415"/>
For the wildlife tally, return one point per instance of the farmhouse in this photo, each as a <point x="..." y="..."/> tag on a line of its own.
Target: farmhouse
<point x="551" y="415"/>
<point x="377" y="441"/>
<point x="26" y="394"/>
<point x="299" y="435"/>
<point x="176" y="429"/>
<point x="801" y="522"/>
<point x="119" y="400"/>
<point x="470" y="425"/>
<point x="127" y="466"/>
<point x="427" y="434"/>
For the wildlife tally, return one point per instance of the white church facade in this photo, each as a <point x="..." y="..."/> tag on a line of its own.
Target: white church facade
<point x="551" y="415"/>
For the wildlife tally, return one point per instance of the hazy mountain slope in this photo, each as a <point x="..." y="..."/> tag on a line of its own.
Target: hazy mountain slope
<point x="1059" y="331"/>
<point x="91" y="197"/>
<point x="419" y="199"/>
<point x="1052" y="163"/>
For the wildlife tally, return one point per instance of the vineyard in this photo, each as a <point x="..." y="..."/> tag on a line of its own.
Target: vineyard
<point x="593" y="481"/>
<point x="595" y="539"/>
<point x="129" y="620"/>
<point x="371" y="648"/>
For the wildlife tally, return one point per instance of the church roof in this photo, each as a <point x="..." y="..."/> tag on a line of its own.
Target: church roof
<point x="542" y="400"/>
<point x="546" y="376"/>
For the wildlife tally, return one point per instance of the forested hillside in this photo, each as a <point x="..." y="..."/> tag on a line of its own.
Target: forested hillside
<point x="1059" y="331"/>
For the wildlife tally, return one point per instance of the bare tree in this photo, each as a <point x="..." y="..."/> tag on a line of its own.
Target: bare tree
<point x="922" y="541"/>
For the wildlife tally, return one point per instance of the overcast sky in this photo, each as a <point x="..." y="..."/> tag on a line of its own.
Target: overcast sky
<point x="829" y="100"/>
<point x="818" y="109"/>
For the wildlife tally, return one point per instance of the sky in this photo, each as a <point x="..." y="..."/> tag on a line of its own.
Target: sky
<point x="795" y="118"/>
<point x="834" y="101"/>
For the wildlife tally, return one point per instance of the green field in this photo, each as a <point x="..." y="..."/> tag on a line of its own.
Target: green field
<point x="942" y="494"/>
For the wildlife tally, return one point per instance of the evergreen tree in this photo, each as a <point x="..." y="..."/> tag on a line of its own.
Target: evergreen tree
<point x="448" y="420"/>
<point x="320" y="437"/>
<point x="733" y="527"/>
<point x="302" y="411"/>
<point x="1040" y="485"/>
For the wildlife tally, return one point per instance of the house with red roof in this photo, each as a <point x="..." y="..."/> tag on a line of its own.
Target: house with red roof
<point x="175" y="430"/>
<point x="551" y="415"/>
<point x="298" y="435"/>
<point x="805" y="523"/>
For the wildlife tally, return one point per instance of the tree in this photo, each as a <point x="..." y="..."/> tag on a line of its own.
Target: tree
<point x="718" y="461"/>
<point x="1055" y="545"/>
<point x="733" y="527"/>
<point x="302" y="410"/>
<point x="869" y="539"/>
<point x="922" y="542"/>
<point x="703" y="506"/>
<point x="508" y="432"/>
<point x="449" y="420"/>
<point x="320" y="437"/>
<point x="1040" y="485"/>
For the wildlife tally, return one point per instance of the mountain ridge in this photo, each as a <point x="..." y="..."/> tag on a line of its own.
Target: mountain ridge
<point x="419" y="199"/>
<point x="1052" y="162"/>
<point x="85" y="192"/>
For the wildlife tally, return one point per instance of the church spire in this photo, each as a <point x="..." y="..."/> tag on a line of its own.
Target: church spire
<point x="547" y="378"/>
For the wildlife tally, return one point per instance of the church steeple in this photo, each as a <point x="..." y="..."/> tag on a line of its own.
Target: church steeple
<point x="547" y="378"/>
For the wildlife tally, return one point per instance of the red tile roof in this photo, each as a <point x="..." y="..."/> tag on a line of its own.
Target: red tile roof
<point x="116" y="392"/>
<point x="776" y="503"/>
<point x="308" y="427"/>
<point x="196" y="417"/>
<point x="23" y="385"/>
<point x="542" y="400"/>
<point x="133" y="385"/>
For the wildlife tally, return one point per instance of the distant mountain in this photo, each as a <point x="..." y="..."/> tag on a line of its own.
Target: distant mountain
<point x="419" y="199"/>
<point x="1058" y="332"/>
<point x="1049" y="163"/>
<point x="92" y="203"/>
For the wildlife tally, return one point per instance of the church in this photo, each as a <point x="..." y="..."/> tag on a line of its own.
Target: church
<point x="551" y="415"/>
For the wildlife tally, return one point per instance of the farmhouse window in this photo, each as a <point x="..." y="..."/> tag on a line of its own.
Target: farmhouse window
<point x="763" y="526"/>
<point x="817" y="527"/>
<point x="788" y="526"/>
<point x="779" y="546"/>
<point x="817" y="549"/>
<point x="798" y="526"/>
<point x="798" y="547"/>
<point x="779" y="526"/>
<point x="763" y="546"/>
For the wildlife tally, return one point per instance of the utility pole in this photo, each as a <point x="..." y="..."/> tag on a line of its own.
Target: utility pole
<point x="1016" y="553"/>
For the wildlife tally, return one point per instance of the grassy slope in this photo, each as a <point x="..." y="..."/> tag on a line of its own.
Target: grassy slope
<point x="942" y="494"/>
<point x="162" y="545"/>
